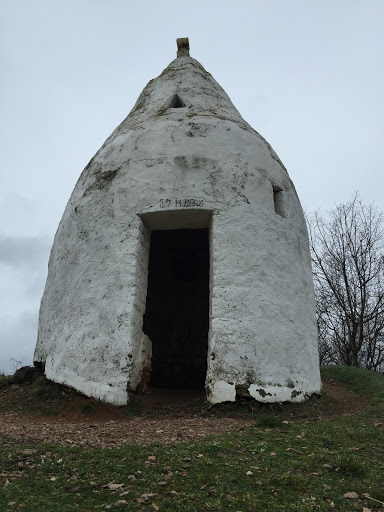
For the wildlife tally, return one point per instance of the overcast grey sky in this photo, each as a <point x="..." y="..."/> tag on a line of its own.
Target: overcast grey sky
<point x="307" y="74"/>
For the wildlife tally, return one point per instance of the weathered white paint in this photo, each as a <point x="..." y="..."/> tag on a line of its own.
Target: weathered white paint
<point x="200" y="165"/>
<point x="221" y="391"/>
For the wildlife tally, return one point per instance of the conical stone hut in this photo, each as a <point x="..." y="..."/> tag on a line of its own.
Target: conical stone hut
<point x="182" y="258"/>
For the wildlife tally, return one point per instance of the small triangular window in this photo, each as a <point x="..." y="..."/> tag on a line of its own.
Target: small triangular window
<point x="176" y="102"/>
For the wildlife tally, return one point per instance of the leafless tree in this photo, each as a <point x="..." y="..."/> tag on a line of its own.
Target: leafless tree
<point x="348" y="267"/>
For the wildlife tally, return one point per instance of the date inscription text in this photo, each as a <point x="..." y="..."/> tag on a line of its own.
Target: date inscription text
<point x="181" y="203"/>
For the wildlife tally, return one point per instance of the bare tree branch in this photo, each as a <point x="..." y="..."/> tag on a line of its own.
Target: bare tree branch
<point x="347" y="252"/>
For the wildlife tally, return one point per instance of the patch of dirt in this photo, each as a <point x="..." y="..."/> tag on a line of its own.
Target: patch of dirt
<point x="343" y="401"/>
<point x="159" y="416"/>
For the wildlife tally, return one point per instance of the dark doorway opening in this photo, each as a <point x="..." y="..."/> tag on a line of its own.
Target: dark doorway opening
<point x="177" y="310"/>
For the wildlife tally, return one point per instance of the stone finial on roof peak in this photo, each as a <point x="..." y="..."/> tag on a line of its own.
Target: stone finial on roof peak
<point x="182" y="47"/>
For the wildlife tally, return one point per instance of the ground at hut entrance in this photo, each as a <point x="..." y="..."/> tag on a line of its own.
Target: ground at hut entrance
<point x="46" y="412"/>
<point x="169" y="451"/>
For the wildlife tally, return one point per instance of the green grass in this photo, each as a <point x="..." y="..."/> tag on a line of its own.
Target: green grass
<point x="40" y="397"/>
<point x="5" y="380"/>
<point x="279" y="465"/>
<point x="361" y="381"/>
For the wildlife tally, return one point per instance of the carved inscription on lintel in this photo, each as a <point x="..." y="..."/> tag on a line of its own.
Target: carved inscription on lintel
<point x="181" y="203"/>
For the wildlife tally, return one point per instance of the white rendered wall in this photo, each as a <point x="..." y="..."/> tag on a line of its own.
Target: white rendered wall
<point x="206" y="161"/>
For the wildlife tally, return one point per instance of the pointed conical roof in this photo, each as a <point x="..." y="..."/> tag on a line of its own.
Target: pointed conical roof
<point x="184" y="84"/>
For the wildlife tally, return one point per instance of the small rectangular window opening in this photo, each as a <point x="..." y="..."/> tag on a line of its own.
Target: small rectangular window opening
<point x="278" y="200"/>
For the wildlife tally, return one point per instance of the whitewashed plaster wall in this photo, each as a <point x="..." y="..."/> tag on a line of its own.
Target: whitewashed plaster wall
<point x="200" y="165"/>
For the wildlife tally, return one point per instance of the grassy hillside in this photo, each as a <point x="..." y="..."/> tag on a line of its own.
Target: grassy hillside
<point x="363" y="382"/>
<point x="286" y="462"/>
